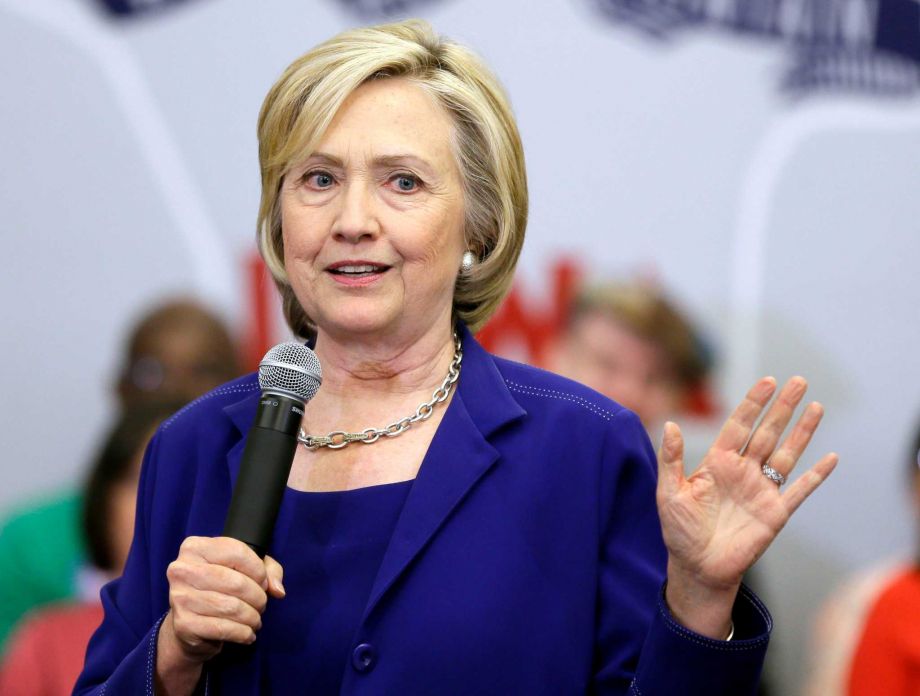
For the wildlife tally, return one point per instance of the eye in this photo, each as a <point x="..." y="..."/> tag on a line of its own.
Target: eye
<point x="407" y="183"/>
<point x="319" y="180"/>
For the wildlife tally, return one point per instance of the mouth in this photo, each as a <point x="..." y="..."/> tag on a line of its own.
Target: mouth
<point x="357" y="269"/>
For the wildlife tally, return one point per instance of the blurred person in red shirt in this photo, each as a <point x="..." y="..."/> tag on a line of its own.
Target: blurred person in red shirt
<point x="866" y="639"/>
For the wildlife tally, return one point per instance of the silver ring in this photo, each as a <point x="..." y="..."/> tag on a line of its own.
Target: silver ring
<point x="773" y="475"/>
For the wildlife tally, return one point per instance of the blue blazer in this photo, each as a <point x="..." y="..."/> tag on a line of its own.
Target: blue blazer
<point x="528" y="558"/>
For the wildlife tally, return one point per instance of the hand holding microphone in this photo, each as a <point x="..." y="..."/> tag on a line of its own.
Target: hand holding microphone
<point x="219" y="587"/>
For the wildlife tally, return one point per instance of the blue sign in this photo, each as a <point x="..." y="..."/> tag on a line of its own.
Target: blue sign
<point x="130" y="8"/>
<point x="858" y="45"/>
<point x="367" y="9"/>
<point x="378" y="9"/>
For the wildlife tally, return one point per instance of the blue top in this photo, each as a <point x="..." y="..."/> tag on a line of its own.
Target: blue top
<point x="330" y="546"/>
<point x="528" y="557"/>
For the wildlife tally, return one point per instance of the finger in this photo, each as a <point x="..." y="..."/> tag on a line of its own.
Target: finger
<point x="806" y="484"/>
<point x="771" y="428"/>
<point x="193" y="629"/>
<point x="737" y="429"/>
<point x="185" y="641"/>
<point x="785" y="458"/>
<point x="228" y="552"/>
<point x="219" y="606"/>
<point x="274" y="572"/>
<point x="208" y="577"/>
<point x="670" y="459"/>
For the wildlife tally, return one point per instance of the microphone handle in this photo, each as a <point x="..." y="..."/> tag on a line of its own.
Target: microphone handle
<point x="264" y="472"/>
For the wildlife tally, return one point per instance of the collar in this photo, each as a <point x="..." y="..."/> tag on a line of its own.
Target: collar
<point x="481" y="388"/>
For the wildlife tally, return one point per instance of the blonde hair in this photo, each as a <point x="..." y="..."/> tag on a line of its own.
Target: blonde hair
<point x="302" y="103"/>
<point x="647" y="312"/>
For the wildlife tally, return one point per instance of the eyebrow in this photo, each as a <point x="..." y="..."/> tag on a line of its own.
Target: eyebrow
<point x="395" y="159"/>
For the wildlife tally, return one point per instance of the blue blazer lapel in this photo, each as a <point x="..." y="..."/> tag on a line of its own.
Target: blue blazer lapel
<point x="458" y="457"/>
<point x="241" y="413"/>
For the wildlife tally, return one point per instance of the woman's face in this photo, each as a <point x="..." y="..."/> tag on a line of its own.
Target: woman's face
<point x="372" y="221"/>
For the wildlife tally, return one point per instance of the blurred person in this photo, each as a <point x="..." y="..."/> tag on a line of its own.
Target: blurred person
<point x="509" y="540"/>
<point x="45" y="651"/>
<point x="866" y="639"/>
<point x="176" y="351"/>
<point x="630" y="343"/>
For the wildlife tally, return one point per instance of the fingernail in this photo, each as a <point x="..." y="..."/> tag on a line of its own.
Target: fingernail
<point x="280" y="587"/>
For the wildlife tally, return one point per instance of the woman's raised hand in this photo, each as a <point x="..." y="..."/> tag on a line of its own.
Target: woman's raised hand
<point x="719" y="520"/>
<point x="218" y="589"/>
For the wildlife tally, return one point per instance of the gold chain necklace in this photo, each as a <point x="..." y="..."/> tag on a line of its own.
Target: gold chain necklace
<point x="340" y="438"/>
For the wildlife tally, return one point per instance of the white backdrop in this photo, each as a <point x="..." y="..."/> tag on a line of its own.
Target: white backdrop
<point x="790" y="226"/>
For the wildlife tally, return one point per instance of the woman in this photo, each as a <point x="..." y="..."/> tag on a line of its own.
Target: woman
<point x="508" y="543"/>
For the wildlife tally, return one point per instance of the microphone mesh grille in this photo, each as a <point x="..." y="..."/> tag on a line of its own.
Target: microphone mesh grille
<point x="292" y="368"/>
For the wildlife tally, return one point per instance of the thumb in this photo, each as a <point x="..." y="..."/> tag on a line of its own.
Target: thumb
<point x="274" y="572"/>
<point x="671" y="458"/>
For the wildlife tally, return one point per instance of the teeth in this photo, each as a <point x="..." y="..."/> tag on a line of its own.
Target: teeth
<point x="367" y="268"/>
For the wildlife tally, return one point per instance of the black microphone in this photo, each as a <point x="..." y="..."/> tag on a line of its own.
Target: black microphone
<point x="289" y="375"/>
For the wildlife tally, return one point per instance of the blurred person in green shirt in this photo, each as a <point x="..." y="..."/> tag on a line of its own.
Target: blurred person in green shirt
<point x="176" y="352"/>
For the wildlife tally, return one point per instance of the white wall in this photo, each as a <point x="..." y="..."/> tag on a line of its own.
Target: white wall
<point x="790" y="227"/>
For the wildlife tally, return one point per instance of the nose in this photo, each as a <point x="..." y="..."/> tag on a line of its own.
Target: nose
<point x="356" y="220"/>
